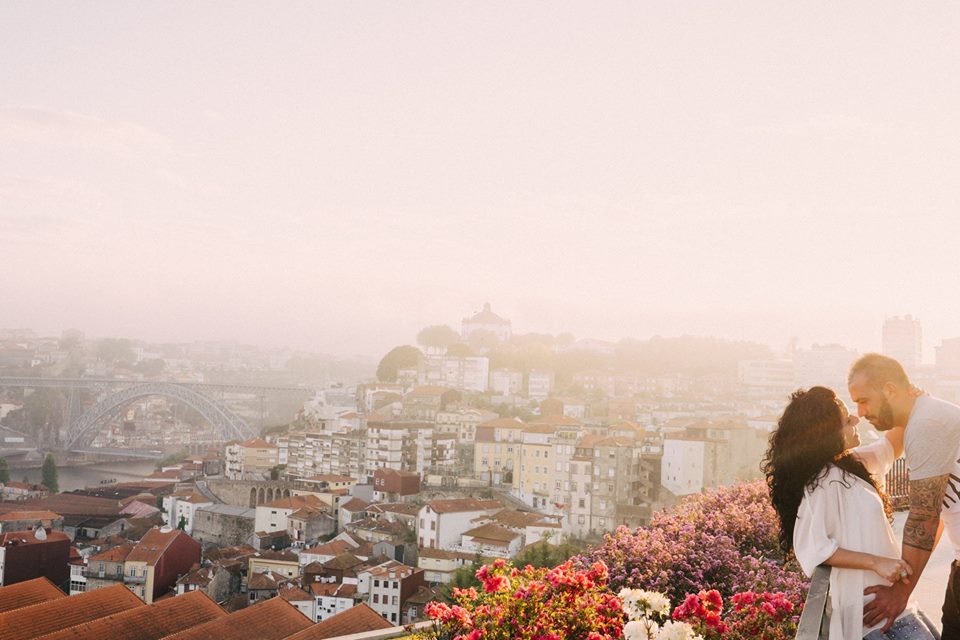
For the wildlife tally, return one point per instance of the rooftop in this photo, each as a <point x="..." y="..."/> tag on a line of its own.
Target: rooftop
<point x="356" y="619"/>
<point x="153" y="545"/>
<point x="272" y="619"/>
<point x="61" y="613"/>
<point x="159" y="620"/>
<point x="30" y="592"/>
<point x="458" y="505"/>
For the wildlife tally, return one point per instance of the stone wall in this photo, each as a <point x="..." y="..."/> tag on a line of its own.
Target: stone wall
<point x="250" y="493"/>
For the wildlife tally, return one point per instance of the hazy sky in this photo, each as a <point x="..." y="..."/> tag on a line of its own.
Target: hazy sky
<point x="336" y="175"/>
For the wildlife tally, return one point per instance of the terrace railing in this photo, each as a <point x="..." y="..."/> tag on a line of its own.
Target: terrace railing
<point x="814" y="621"/>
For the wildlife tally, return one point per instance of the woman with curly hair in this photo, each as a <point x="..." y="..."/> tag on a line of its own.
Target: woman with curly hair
<point x="827" y="491"/>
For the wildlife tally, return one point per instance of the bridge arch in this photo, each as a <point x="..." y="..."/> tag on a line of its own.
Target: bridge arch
<point x="224" y="421"/>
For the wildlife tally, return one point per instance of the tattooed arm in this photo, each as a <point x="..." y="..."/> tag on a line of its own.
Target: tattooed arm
<point x="920" y="535"/>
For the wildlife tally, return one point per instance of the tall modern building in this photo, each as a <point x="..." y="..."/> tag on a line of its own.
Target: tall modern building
<point x="901" y="340"/>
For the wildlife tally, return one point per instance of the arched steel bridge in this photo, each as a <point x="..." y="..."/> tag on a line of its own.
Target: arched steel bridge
<point x="116" y="394"/>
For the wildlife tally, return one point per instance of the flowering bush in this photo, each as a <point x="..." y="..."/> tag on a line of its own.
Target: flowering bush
<point x="647" y="617"/>
<point x="724" y="540"/>
<point x="755" y="616"/>
<point x="531" y="604"/>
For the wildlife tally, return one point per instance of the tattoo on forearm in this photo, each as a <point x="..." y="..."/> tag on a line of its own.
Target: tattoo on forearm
<point x="926" y="502"/>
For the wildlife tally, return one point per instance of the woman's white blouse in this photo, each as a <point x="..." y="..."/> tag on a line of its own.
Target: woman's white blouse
<point x="843" y="511"/>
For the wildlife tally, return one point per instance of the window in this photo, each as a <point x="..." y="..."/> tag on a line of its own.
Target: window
<point x="376" y="598"/>
<point x="582" y="505"/>
<point x="433" y="525"/>
<point x="393" y="600"/>
<point x="580" y="520"/>
<point x="376" y="583"/>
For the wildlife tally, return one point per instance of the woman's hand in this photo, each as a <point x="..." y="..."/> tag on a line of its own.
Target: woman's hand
<point x="892" y="569"/>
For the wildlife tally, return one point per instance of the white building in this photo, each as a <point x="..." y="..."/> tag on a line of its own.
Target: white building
<point x="487" y="321"/>
<point x="466" y="374"/>
<point x="506" y="382"/>
<point x="440" y="523"/>
<point x="273" y="516"/>
<point x="682" y="466"/>
<point x="177" y="507"/>
<point x="539" y="384"/>
<point x="388" y="586"/>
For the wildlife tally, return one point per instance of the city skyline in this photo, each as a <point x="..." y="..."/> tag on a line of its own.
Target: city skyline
<point x="336" y="177"/>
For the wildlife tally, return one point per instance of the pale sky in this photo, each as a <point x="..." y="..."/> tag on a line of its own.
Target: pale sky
<point x="336" y="175"/>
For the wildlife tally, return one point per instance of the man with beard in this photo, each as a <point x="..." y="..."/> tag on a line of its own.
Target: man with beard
<point x="884" y="396"/>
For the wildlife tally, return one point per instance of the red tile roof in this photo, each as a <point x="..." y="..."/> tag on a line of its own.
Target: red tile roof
<point x="116" y="554"/>
<point x="503" y="423"/>
<point x="54" y="615"/>
<point x="12" y="538"/>
<point x="456" y="505"/>
<point x="356" y="619"/>
<point x="272" y="619"/>
<point x="30" y="592"/>
<point x="13" y="516"/>
<point x="293" y="593"/>
<point x="257" y="443"/>
<point x="493" y="533"/>
<point x="153" y="545"/>
<point x="75" y="504"/>
<point x="355" y="504"/>
<point x="167" y="616"/>
<point x="332" y="548"/>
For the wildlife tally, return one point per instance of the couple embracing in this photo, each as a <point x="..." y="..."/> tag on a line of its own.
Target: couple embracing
<point x="827" y="490"/>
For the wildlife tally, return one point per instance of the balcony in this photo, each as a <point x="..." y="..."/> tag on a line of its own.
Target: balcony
<point x="138" y="579"/>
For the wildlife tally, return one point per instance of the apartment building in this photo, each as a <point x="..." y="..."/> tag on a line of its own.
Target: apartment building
<point x="710" y="454"/>
<point x="389" y="585"/>
<point x="497" y="450"/>
<point x="153" y="565"/>
<point x="250" y="459"/>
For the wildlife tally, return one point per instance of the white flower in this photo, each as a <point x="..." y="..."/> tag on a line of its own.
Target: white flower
<point x="639" y="603"/>
<point x="640" y="630"/>
<point x="677" y="631"/>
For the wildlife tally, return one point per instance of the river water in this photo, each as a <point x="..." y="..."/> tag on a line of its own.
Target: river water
<point x="71" y="478"/>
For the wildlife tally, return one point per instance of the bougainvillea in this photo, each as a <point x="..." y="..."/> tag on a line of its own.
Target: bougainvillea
<point x="754" y="616"/>
<point x="724" y="540"/>
<point x="531" y="604"/>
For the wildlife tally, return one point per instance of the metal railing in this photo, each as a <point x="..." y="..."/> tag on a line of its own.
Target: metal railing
<point x="898" y="484"/>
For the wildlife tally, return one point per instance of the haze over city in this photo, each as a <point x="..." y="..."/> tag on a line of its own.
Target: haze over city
<point x="335" y="177"/>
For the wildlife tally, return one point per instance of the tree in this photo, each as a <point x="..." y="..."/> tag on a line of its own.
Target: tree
<point x="438" y="336"/>
<point x="49" y="474"/>
<point x="460" y="350"/>
<point x="150" y="368"/>
<point x="182" y="524"/>
<point x="396" y="359"/>
<point x="4" y="471"/>
<point x="116" y="351"/>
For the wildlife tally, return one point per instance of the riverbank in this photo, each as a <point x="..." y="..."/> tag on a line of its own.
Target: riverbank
<point x="89" y="475"/>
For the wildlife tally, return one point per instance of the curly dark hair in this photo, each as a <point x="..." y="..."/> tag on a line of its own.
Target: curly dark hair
<point x="807" y="439"/>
